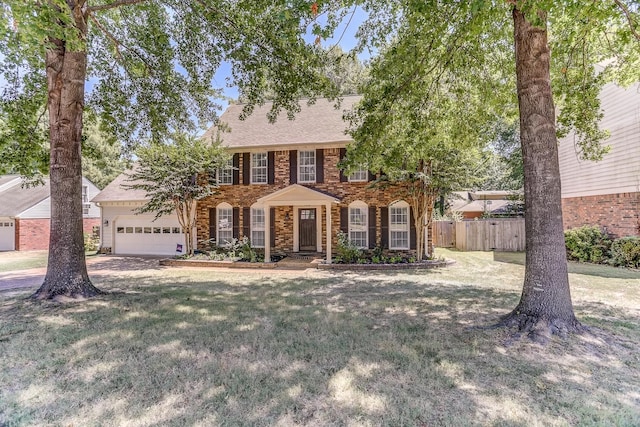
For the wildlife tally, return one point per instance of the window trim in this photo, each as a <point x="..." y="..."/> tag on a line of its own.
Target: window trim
<point x="252" y="226"/>
<point x="395" y="228"/>
<point x="252" y="167"/>
<point x="229" y="168"/>
<point x="219" y="208"/>
<point x="366" y="176"/>
<point x="365" y="209"/>
<point x="315" y="167"/>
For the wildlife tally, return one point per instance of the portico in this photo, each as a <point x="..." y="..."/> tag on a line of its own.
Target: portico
<point x="308" y="206"/>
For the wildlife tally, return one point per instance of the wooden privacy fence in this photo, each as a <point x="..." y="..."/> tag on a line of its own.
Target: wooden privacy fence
<point x="480" y="235"/>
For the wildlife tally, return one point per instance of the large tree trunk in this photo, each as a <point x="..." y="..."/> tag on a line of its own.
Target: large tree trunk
<point x="67" y="269"/>
<point x="545" y="305"/>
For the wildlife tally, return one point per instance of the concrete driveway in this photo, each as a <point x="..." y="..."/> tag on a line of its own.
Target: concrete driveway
<point x="99" y="266"/>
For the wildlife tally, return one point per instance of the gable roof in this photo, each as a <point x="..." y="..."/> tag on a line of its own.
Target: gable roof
<point x="295" y="195"/>
<point x="16" y="199"/>
<point x="314" y="124"/>
<point x="115" y="192"/>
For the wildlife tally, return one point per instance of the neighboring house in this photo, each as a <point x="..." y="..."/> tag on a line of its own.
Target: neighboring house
<point x="283" y="190"/>
<point x="476" y="204"/>
<point x="25" y="213"/>
<point x="606" y="193"/>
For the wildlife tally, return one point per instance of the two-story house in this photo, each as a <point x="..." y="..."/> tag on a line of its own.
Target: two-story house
<point x="283" y="189"/>
<point x="606" y="193"/>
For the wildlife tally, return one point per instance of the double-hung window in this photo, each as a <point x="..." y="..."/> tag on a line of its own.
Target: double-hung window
<point x="225" y="224"/>
<point x="358" y="224"/>
<point x="225" y="174"/>
<point x="307" y="166"/>
<point x="259" y="164"/>
<point x="257" y="227"/>
<point x="361" y="175"/>
<point x="399" y="226"/>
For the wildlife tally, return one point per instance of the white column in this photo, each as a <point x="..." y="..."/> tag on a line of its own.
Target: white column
<point x="329" y="232"/>
<point x="267" y="233"/>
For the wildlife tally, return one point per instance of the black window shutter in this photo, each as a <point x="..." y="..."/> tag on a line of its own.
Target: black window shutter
<point x="236" y="169"/>
<point x="236" y="223"/>
<point x="412" y="230"/>
<point x="271" y="167"/>
<point x="319" y="165"/>
<point x="343" y="154"/>
<point x="344" y="220"/>
<point x="246" y="168"/>
<point x="384" y="229"/>
<point x="372" y="176"/>
<point x="212" y="223"/>
<point x="372" y="227"/>
<point x="272" y="226"/>
<point x="293" y="166"/>
<point x="246" y="222"/>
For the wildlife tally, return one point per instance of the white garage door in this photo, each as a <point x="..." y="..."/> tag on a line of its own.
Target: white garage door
<point x="7" y="235"/>
<point x="143" y="236"/>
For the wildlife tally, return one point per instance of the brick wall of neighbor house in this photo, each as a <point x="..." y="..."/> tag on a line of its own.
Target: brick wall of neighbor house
<point x="33" y="234"/>
<point x="242" y="196"/>
<point x="618" y="213"/>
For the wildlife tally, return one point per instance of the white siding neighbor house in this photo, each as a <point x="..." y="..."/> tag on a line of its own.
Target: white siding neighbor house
<point x="606" y="193"/>
<point x="25" y="213"/>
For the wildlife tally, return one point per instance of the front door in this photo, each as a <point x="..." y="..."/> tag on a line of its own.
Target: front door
<point x="308" y="229"/>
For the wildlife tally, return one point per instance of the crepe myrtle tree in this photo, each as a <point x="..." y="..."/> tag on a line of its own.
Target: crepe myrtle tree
<point x="151" y="64"/>
<point x="175" y="175"/>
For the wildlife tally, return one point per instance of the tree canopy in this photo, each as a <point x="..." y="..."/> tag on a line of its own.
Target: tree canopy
<point x="449" y="69"/>
<point x="175" y="176"/>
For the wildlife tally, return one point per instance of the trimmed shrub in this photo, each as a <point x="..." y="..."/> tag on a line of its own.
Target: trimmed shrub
<point x="587" y="244"/>
<point x="625" y="252"/>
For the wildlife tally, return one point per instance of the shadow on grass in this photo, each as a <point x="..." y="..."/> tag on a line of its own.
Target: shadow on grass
<point x="266" y="350"/>
<point x="597" y="270"/>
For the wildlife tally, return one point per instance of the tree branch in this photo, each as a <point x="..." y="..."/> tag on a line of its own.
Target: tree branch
<point x="117" y="45"/>
<point x="627" y="13"/>
<point x="113" y="5"/>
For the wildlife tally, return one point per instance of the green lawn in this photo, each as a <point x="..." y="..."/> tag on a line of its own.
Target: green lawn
<point x="206" y="347"/>
<point x="11" y="261"/>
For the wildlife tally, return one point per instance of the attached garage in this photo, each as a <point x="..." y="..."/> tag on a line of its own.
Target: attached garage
<point x="7" y="235"/>
<point x="141" y="235"/>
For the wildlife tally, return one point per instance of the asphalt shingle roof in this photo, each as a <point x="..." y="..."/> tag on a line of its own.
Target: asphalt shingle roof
<point x="314" y="124"/>
<point x="16" y="199"/>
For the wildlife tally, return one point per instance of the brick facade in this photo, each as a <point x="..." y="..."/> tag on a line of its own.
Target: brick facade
<point x="244" y="196"/>
<point x="33" y="234"/>
<point x="617" y="214"/>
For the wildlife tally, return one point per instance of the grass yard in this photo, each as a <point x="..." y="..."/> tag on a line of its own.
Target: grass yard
<point x="206" y="347"/>
<point x="11" y="261"/>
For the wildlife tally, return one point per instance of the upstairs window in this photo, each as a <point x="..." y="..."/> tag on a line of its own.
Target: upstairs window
<point x="361" y="175"/>
<point x="225" y="174"/>
<point x="399" y="226"/>
<point x="85" y="194"/>
<point x="259" y="163"/>
<point x="307" y="166"/>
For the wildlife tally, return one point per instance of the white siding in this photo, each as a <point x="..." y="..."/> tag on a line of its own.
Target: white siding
<point x="125" y="232"/>
<point x="43" y="208"/>
<point x="619" y="171"/>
